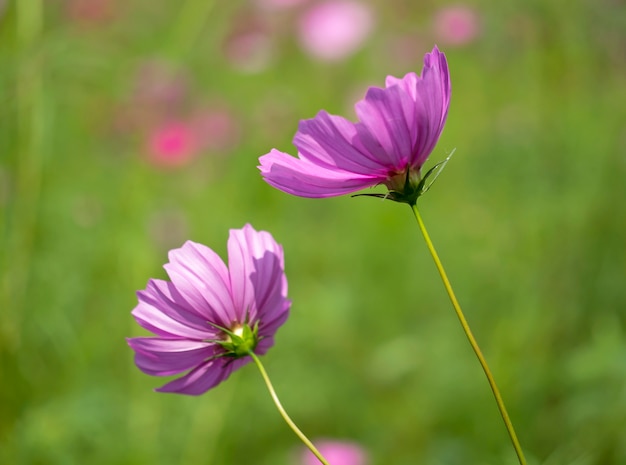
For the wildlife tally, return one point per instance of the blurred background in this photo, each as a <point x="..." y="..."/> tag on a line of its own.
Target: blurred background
<point x="128" y="127"/>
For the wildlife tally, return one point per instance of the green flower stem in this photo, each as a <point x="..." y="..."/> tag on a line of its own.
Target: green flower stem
<point x="283" y="413"/>
<point x="470" y="337"/>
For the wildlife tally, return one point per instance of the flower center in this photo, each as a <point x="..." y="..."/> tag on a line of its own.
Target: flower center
<point x="237" y="331"/>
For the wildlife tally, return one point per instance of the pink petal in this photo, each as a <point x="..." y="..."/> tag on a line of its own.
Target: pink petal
<point x="162" y="311"/>
<point x="163" y="357"/>
<point x="274" y="320"/>
<point x="201" y="277"/>
<point x="258" y="280"/>
<point x="433" y="100"/>
<point x="306" y="179"/>
<point x="383" y="114"/>
<point x="264" y="345"/>
<point x="204" y="377"/>
<point x="333" y="142"/>
<point x="241" y="249"/>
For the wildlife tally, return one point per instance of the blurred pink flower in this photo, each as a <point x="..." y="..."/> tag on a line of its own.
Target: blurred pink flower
<point x="456" y="25"/>
<point x="172" y="144"/>
<point x="336" y="453"/>
<point x="335" y="29"/>
<point x="176" y="142"/>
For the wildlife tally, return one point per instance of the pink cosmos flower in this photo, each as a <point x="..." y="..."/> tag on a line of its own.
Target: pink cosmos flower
<point x="209" y="317"/>
<point x="335" y="29"/>
<point x="337" y="453"/>
<point x="456" y="25"/>
<point x="397" y="130"/>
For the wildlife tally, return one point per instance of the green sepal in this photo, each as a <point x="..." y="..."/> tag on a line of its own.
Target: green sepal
<point x="410" y="193"/>
<point x="236" y="345"/>
<point x="434" y="172"/>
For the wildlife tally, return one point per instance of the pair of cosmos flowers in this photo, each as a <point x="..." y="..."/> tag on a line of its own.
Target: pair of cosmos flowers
<point x="210" y="316"/>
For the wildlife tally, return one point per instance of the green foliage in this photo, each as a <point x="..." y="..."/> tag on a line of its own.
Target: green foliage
<point x="528" y="219"/>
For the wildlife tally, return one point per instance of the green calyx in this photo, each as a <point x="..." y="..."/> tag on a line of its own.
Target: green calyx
<point x="408" y="186"/>
<point x="240" y="340"/>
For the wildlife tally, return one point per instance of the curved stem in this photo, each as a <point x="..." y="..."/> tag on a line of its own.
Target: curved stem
<point x="470" y="337"/>
<point x="283" y="413"/>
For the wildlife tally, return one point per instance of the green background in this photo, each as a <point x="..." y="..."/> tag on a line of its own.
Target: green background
<point x="528" y="217"/>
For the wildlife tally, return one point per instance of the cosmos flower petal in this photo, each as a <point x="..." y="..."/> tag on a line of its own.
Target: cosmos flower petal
<point x="433" y="92"/>
<point x="270" y="324"/>
<point x="201" y="277"/>
<point x="264" y="345"/>
<point x="306" y="179"/>
<point x="256" y="266"/>
<point x="159" y="323"/>
<point x="163" y="357"/>
<point x="333" y="142"/>
<point x="270" y="298"/>
<point x="383" y="115"/>
<point x="408" y="83"/>
<point x="203" y="377"/>
<point x="430" y="97"/>
<point x="163" y="312"/>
